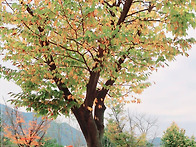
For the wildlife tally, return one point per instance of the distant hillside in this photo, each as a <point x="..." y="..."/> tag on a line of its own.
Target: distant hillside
<point x="156" y="142"/>
<point x="62" y="132"/>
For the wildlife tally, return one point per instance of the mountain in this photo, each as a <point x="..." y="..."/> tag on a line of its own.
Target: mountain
<point x="156" y="142"/>
<point x="64" y="133"/>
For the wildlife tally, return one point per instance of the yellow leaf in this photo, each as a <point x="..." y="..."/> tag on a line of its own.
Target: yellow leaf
<point x="49" y="5"/>
<point x="46" y="1"/>
<point x="138" y="101"/>
<point x="29" y="1"/>
<point x="101" y="1"/>
<point x="99" y="106"/>
<point x="51" y="63"/>
<point x="89" y="108"/>
<point x="95" y="12"/>
<point x="36" y="2"/>
<point x="60" y="2"/>
<point x="69" y="97"/>
<point x="96" y="118"/>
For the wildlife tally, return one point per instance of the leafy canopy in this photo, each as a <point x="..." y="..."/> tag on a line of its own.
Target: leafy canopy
<point x="55" y="45"/>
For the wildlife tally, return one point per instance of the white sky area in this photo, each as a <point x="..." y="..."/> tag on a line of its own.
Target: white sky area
<point x="172" y="98"/>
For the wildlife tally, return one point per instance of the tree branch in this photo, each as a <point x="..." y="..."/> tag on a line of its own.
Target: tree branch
<point x="126" y="8"/>
<point x="52" y="67"/>
<point x="137" y="12"/>
<point x="91" y="91"/>
<point x="62" y="46"/>
<point x="50" y="61"/>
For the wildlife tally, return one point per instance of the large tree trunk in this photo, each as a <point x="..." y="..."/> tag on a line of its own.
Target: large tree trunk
<point x="91" y="128"/>
<point x="91" y="125"/>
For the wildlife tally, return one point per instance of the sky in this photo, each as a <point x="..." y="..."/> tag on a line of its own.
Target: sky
<point x="172" y="98"/>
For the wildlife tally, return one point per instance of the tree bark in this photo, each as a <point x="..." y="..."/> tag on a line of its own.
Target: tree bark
<point x="90" y="129"/>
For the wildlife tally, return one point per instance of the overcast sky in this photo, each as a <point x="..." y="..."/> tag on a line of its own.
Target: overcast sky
<point x="172" y="98"/>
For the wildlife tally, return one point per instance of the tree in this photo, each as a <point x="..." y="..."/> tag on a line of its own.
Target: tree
<point x="69" y="55"/>
<point x="132" y="134"/>
<point x="106" y="142"/>
<point x="24" y="134"/>
<point x="174" y="136"/>
<point x="143" y="124"/>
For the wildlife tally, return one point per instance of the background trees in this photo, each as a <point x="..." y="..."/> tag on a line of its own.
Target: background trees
<point x="174" y="136"/>
<point x="70" y="55"/>
<point x="143" y="124"/>
<point x="126" y="130"/>
<point x="7" y="122"/>
<point x="4" y="141"/>
<point x="24" y="133"/>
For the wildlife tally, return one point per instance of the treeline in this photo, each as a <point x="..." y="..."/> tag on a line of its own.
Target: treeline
<point x="122" y="130"/>
<point x="139" y="130"/>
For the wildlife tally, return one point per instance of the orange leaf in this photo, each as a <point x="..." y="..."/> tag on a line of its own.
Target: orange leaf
<point x="89" y="108"/>
<point x="41" y="8"/>
<point x="49" y="5"/>
<point x="29" y="1"/>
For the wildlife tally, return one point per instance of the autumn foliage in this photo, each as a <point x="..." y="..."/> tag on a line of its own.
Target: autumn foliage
<point x="175" y="136"/>
<point x="72" y="55"/>
<point x="24" y="134"/>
